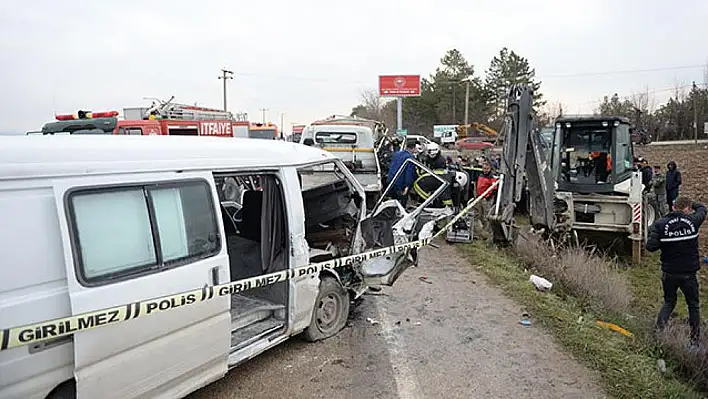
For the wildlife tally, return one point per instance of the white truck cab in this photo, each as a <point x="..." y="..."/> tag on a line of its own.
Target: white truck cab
<point x="94" y="222"/>
<point x="353" y="140"/>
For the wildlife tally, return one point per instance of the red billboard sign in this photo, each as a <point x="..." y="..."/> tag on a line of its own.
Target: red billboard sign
<point x="399" y="85"/>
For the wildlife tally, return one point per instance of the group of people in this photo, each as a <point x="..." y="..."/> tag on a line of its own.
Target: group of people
<point x="466" y="179"/>
<point x="664" y="188"/>
<point x="676" y="235"/>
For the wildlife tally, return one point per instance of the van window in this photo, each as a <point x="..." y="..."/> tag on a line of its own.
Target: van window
<point x="122" y="232"/>
<point x="335" y="138"/>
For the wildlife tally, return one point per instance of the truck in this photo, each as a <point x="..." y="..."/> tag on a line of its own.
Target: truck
<point x="267" y="131"/>
<point x="584" y="186"/>
<point x="161" y="118"/>
<point x="450" y="134"/>
<point x="353" y="140"/>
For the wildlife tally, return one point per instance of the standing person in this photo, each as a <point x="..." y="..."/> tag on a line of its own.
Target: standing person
<point x="659" y="186"/>
<point x="673" y="182"/>
<point x="484" y="181"/>
<point x="402" y="185"/>
<point x="676" y="235"/>
<point x="647" y="174"/>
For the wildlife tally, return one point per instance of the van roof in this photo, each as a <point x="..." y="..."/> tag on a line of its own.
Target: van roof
<point x="34" y="156"/>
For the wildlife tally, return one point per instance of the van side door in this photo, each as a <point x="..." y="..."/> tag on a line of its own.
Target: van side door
<point x="132" y="238"/>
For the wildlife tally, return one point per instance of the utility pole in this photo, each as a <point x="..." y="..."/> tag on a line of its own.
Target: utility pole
<point x="454" y="104"/>
<point x="263" y="110"/>
<point x="399" y="114"/>
<point x="282" y="123"/>
<point x="467" y="100"/>
<point x="225" y="74"/>
<point x="695" y="114"/>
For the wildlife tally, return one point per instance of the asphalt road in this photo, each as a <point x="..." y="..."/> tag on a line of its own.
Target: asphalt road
<point x="450" y="336"/>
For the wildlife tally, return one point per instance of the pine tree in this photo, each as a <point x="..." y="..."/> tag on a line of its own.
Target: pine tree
<point x="505" y="70"/>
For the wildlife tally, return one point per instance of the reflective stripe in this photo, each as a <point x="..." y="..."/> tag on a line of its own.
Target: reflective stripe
<point x="420" y="191"/>
<point x="674" y="239"/>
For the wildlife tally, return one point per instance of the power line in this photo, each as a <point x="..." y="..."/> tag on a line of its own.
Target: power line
<point x="648" y="92"/>
<point x="548" y="76"/>
<point x="619" y="72"/>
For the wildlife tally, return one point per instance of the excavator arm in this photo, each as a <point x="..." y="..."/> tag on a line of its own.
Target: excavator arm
<point x="524" y="166"/>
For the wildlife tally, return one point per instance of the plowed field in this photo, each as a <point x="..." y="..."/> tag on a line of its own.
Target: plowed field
<point x="692" y="161"/>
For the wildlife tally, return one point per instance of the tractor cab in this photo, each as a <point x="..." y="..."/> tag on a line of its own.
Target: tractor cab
<point x="592" y="154"/>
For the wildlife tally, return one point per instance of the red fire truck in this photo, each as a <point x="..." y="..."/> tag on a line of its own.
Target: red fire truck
<point x="162" y="118"/>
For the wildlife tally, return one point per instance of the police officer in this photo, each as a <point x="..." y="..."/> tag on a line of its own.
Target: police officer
<point x="676" y="235"/>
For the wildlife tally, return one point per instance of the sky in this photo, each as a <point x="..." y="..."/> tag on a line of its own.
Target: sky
<point x="305" y="59"/>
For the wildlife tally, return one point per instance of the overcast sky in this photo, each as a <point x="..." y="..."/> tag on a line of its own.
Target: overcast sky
<point x="310" y="58"/>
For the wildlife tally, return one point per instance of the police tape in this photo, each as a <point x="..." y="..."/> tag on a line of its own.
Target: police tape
<point x="63" y="327"/>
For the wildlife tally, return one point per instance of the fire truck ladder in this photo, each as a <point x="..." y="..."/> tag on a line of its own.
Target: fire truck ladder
<point x="169" y="110"/>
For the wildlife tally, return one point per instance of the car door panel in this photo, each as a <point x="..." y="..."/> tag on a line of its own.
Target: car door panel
<point x="159" y="353"/>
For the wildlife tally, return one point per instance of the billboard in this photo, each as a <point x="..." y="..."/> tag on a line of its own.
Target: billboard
<point x="399" y="85"/>
<point x="438" y="130"/>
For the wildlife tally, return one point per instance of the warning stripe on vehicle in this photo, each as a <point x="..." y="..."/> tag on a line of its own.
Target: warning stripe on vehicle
<point x="637" y="213"/>
<point x="14" y="337"/>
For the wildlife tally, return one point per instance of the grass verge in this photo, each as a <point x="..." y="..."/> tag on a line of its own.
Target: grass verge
<point x="628" y="366"/>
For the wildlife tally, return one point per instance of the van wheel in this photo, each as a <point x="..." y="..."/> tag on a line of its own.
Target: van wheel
<point x="331" y="311"/>
<point x="66" y="390"/>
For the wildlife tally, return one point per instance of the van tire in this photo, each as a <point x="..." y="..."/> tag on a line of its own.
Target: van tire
<point x="331" y="311"/>
<point x="66" y="390"/>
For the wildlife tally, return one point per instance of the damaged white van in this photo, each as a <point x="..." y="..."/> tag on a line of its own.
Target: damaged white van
<point x="95" y="222"/>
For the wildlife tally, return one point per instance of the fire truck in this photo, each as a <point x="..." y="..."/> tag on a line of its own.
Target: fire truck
<point x="161" y="118"/>
<point x="267" y="131"/>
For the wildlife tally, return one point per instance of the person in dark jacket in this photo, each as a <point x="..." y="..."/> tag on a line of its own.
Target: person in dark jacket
<point x="676" y="235"/>
<point x="673" y="182"/>
<point x="404" y="182"/>
<point x="647" y="173"/>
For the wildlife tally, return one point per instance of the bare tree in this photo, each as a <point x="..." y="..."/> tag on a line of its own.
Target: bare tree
<point x="549" y="112"/>
<point x="373" y="104"/>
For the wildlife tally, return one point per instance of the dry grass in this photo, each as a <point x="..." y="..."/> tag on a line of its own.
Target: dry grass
<point x="592" y="278"/>
<point x="694" y="365"/>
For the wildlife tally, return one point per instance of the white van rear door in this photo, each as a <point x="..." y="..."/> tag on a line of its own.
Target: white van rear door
<point x="130" y="239"/>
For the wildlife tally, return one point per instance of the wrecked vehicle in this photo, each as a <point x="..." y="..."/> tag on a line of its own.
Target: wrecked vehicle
<point x="352" y="140"/>
<point x="116" y="221"/>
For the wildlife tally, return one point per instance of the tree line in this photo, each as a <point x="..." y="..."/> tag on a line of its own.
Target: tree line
<point x="442" y="100"/>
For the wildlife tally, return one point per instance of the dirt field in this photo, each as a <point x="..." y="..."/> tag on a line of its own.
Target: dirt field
<point x="692" y="161"/>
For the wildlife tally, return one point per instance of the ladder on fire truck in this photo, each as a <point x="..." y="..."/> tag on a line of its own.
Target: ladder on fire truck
<point x="170" y="110"/>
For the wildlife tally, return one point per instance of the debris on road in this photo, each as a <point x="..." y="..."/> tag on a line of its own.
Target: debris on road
<point x="661" y="365"/>
<point x="372" y="321"/>
<point x="425" y="280"/>
<point x="525" y="320"/>
<point x="541" y="283"/>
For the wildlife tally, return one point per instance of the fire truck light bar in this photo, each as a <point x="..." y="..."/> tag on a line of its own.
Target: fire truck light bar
<point x="86" y="115"/>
